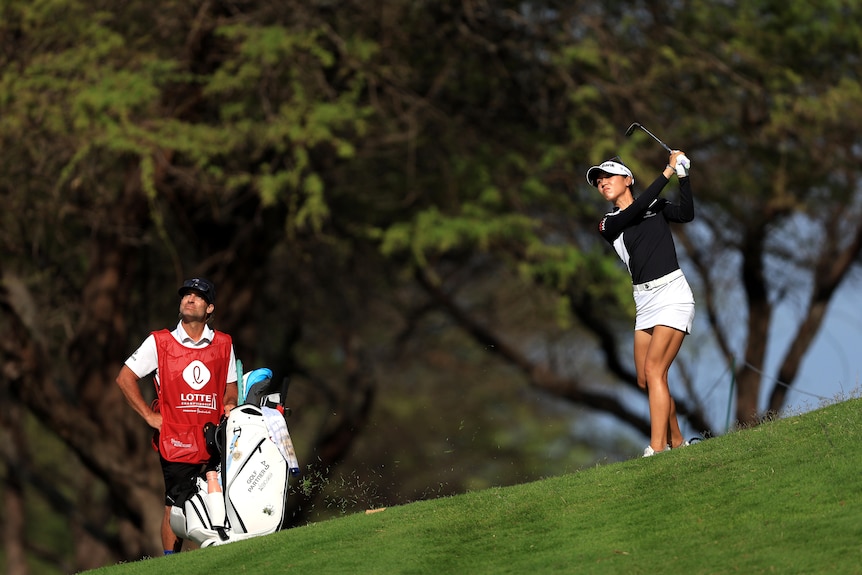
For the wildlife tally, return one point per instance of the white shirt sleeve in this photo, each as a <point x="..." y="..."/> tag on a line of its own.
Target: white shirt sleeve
<point x="145" y="359"/>
<point x="231" y="372"/>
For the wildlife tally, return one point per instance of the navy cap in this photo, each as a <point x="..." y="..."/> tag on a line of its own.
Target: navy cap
<point x="204" y="287"/>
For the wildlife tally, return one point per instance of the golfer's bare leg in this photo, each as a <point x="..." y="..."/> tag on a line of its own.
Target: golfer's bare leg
<point x="663" y="345"/>
<point x="673" y="430"/>
<point x="674" y="433"/>
<point x="642" y="341"/>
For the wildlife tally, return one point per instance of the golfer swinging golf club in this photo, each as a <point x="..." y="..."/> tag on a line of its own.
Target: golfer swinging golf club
<point x="638" y="230"/>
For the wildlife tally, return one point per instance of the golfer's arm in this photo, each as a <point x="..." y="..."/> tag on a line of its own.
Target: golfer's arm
<point x="686" y="200"/>
<point x="612" y="227"/>
<point x="643" y="201"/>
<point x="683" y="210"/>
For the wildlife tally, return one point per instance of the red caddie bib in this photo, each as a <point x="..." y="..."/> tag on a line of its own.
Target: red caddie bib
<point x="191" y="391"/>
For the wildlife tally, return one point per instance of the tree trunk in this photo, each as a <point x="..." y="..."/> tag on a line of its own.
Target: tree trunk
<point x="830" y="270"/>
<point x="757" y="333"/>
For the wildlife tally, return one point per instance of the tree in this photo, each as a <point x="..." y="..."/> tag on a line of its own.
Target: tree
<point x="369" y="184"/>
<point x="123" y="162"/>
<point x="753" y="101"/>
<point x="786" y="86"/>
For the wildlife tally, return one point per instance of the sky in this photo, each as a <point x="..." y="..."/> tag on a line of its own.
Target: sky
<point x="833" y="367"/>
<point x="831" y="370"/>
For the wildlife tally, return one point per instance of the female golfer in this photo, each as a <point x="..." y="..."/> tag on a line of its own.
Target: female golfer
<point x="639" y="232"/>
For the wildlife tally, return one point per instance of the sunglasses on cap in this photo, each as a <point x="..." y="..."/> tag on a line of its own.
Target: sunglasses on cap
<point x="204" y="287"/>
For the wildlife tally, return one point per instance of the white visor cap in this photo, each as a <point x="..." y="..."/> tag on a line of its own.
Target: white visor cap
<point x="609" y="167"/>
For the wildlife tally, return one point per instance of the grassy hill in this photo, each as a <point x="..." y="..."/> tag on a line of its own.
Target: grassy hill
<point x="784" y="497"/>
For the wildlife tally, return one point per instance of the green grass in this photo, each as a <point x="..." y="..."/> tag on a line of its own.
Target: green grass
<point x="784" y="497"/>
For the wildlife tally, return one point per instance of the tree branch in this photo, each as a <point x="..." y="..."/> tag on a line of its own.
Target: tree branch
<point x="538" y="376"/>
<point x="831" y="268"/>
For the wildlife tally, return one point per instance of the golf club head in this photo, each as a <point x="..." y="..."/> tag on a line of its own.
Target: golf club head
<point x="632" y="128"/>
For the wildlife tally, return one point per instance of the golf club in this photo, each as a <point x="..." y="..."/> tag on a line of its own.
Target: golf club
<point x="635" y="125"/>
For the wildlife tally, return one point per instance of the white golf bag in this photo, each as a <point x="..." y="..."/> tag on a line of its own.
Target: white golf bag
<point x="247" y="497"/>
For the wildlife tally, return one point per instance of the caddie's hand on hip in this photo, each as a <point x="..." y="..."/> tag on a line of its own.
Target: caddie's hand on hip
<point x="154" y="420"/>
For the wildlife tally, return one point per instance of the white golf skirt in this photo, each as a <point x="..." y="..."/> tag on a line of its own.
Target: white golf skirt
<point x="670" y="304"/>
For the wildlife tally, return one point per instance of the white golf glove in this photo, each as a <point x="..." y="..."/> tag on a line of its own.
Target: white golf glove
<point x="683" y="164"/>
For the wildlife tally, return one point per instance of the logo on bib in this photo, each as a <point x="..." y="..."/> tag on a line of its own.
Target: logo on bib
<point x="196" y="374"/>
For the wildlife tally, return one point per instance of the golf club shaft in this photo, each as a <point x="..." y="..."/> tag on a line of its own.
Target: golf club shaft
<point x="653" y="136"/>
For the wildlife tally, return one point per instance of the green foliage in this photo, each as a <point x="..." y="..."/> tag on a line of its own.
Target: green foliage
<point x="781" y="497"/>
<point x="434" y="232"/>
<point x="314" y="158"/>
<point x="104" y="100"/>
<point x="288" y="117"/>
